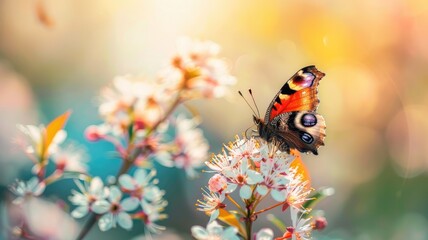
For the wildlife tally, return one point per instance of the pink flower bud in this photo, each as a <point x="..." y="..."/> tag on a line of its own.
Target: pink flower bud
<point x="320" y="223"/>
<point x="217" y="183"/>
<point x="139" y="124"/>
<point x="93" y="134"/>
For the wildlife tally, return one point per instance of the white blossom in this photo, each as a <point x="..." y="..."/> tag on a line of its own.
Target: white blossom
<point x="214" y="231"/>
<point x="115" y="210"/>
<point x="23" y="190"/>
<point x="87" y="195"/>
<point x="211" y="204"/>
<point x="191" y="145"/>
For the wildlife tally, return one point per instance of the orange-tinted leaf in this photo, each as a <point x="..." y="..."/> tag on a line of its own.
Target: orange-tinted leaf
<point x="52" y="129"/>
<point x="231" y="219"/>
<point x="301" y="167"/>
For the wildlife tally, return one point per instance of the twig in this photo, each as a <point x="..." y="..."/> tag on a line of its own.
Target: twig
<point x="269" y="208"/>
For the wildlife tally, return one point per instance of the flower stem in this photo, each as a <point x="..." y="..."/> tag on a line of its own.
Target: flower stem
<point x="170" y="110"/>
<point x="269" y="208"/>
<point x="248" y="222"/>
<point x="128" y="161"/>
<point x="85" y="230"/>
<point x="235" y="203"/>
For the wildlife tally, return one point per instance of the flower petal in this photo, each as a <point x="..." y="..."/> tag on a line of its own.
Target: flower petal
<point x="245" y="192"/>
<point x="279" y="196"/>
<point x="165" y="159"/>
<point x="265" y="234"/>
<point x="105" y="222"/>
<point x="199" y="232"/>
<point x="115" y="194"/>
<point x="140" y="175"/>
<point x="96" y="186"/>
<point x="230" y="233"/>
<point x="39" y="189"/>
<point x="254" y="177"/>
<point x="214" y="228"/>
<point x="124" y="220"/>
<point x="80" y="212"/>
<point x="229" y="173"/>
<point x="100" y="207"/>
<point x="130" y="204"/>
<point x="79" y="185"/>
<point x="231" y="187"/>
<point x="127" y="182"/>
<point x="152" y="193"/>
<point x="262" y="190"/>
<point x="32" y="183"/>
<point x="214" y="215"/>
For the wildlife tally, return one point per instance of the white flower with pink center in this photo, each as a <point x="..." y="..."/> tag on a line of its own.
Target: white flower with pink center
<point x="211" y="203"/>
<point x="142" y="187"/>
<point x="87" y="195"/>
<point x="132" y="100"/>
<point x="298" y="190"/>
<point x="274" y="171"/>
<point x="221" y="162"/>
<point x="70" y="158"/>
<point x="197" y="71"/>
<point x="24" y="190"/>
<point x="150" y="215"/>
<point x="244" y="177"/>
<point x="302" y="227"/>
<point x="244" y="149"/>
<point x="115" y="210"/>
<point x="191" y="145"/>
<point x="214" y="231"/>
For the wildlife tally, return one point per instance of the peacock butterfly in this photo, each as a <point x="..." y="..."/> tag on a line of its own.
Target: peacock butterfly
<point x="291" y="120"/>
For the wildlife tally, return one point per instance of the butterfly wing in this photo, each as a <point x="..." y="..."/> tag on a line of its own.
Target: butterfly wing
<point x="302" y="130"/>
<point x="291" y="119"/>
<point x="299" y="93"/>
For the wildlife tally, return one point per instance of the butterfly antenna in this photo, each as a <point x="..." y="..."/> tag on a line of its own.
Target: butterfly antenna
<point x="254" y="101"/>
<point x="245" y="133"/>
<point x="240" y="93"/>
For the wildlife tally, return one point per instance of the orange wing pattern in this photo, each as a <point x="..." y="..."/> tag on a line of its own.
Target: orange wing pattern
<point x="303" y="100"/>
<point x="299" y="93"/>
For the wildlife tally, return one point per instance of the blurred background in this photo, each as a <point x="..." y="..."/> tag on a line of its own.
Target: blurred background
<point x="55" y="55"/>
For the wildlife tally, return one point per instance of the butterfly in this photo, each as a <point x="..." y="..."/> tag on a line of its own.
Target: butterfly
<point x="291" y="120"/>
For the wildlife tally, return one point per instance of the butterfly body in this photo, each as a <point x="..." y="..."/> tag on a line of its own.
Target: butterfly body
<point x="291" y="121"/>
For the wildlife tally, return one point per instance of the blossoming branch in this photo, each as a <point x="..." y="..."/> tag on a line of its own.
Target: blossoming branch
<point x="246" y="173"/>
<point x="137" y="114"/>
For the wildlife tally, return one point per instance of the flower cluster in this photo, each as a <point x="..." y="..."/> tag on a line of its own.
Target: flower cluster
<point x="139" y="119"/>
<point x="137" y="112"/>
<point x="44" y="146"/>
<point x="53" y="159"/>
<point x="197" y="70"/>
<point x="257" y="169"/>
<point x="144" y="202"/>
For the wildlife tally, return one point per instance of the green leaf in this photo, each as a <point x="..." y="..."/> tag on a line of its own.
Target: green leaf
<point x="277" y="222"/>
<point x="77" y="175"/>
<point x="316" y="197"/>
